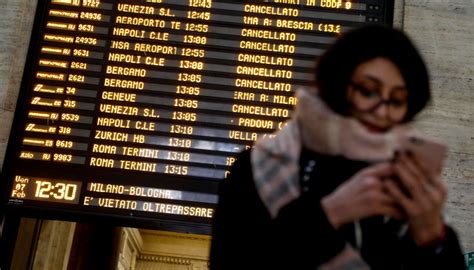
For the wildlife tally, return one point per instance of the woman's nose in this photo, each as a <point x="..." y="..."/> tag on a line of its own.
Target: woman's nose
<point x="382" y="110"/>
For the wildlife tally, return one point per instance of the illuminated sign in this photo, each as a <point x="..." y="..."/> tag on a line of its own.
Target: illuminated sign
<point x="136" y="109"/>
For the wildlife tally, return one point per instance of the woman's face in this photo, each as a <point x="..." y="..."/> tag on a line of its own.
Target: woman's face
<point x="378" y="95"/>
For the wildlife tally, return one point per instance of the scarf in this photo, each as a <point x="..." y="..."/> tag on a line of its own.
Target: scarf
<point x="275" y="159"/>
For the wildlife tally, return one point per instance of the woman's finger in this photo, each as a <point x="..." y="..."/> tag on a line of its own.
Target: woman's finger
<point x="409" y="180"/>
<point x="413" y="166"/>
<point x="384" y="169"/>
<point x="405" y="202"/>
<point x="436" y="193"/>
<point x="376" y="202"/>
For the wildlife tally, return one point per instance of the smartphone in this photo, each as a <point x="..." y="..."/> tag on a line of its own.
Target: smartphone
<point x="431" y="153"/>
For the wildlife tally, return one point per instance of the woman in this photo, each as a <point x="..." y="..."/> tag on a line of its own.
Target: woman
<point x="330" y="191"/>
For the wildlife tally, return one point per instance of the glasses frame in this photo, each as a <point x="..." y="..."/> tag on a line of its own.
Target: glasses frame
<point x="392" y="104"/>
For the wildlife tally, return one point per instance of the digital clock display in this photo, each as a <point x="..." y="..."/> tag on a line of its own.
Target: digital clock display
<point x="137" y="108"/>
<point x="43" y="189"/>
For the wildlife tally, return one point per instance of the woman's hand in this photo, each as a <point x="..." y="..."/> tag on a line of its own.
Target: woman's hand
<point x="362" y="196"/>
<point x="424" y="202"/>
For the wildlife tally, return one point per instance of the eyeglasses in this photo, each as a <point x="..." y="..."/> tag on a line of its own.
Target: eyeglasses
<point x="367" y="99"/>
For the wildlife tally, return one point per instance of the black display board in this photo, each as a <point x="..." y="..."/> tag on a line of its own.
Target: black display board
<point x="133" y="111"/>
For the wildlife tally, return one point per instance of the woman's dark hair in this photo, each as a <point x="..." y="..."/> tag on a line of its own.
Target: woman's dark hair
<point x="335" y="67"/>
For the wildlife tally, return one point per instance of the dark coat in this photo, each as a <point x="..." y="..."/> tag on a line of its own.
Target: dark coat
<point x="245" y="237"/>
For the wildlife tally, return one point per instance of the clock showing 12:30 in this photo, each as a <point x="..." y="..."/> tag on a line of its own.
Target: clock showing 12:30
<point x="56" y="190"/>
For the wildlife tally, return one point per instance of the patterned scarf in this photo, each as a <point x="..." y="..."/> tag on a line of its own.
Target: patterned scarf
<point x="275" y="159"/>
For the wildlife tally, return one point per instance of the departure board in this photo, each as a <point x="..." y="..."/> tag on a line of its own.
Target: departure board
<point x="137" y="109"/>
